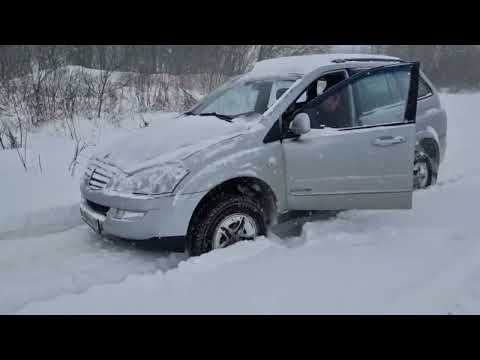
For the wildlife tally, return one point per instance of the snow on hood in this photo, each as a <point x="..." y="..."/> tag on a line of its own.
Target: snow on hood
<point x="171" y="139"/>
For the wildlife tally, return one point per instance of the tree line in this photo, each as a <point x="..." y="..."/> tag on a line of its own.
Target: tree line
<point x="455" y="67"/>
<point x="40" y="83"/>
<point x="228" y="60"/>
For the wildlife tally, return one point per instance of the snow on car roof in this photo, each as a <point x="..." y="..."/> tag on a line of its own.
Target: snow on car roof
<point x="303" y="65"/>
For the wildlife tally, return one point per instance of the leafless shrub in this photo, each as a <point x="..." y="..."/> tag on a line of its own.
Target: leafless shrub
<point x="15" y="144"/>
<point x="40" y="164"/>
<point x="1" y="140"/>
<point x="143" y="123"/>
<point x="80" y="146"/>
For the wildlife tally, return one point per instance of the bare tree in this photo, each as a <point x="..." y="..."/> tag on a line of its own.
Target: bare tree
<point x="272" y="51"/>
<point x="100" y="84"/>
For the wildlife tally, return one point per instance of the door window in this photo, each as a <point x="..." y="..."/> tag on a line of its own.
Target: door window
<point x="373" y="93"/>
<point x="365" y="101"/>
<point x="402" y="81"/>
<point x="315" y="89"/>
<point x="335" y="111"/>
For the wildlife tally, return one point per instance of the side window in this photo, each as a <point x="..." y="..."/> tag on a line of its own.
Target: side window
<point x="423" y="88"/>
<point x="374" y="104"/>
<point x="398" y="93"/>
<point x="402" y="80"/>
<point x="335" y="111"/>
<point x="302" y="99"/>
<point x="316" y="88"/>
<point x="373" y="93"/>
<point x="321" y="86"/>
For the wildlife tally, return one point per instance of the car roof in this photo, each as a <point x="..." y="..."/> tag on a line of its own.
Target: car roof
<point x="303" y="65"/>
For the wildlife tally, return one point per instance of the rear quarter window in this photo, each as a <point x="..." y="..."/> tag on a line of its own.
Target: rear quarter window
<point x="423" y="88"/>
<point x="403" y="81"/>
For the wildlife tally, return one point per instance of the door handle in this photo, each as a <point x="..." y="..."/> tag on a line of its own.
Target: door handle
<point x="389" y="141"/>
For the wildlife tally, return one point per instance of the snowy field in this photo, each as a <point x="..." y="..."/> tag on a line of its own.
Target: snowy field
<point x="420" y="261"/>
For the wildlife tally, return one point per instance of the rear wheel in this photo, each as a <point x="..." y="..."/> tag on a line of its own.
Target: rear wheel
<point x="422" y="171"/>
<point x="224" y="221"/>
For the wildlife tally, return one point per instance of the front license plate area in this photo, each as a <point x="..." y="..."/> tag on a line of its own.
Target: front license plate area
<point x="92" y="222"/>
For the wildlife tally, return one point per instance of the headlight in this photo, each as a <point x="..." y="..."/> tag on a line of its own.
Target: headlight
<point x="153" y="181"/>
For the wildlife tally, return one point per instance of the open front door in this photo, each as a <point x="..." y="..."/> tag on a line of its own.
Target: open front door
<point x="359" y="153"/>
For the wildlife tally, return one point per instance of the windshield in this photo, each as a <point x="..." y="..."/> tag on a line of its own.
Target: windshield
<point x="238" y="97"/>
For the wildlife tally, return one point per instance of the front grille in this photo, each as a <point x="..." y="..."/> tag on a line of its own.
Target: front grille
<point x="98" y="208"/>
<point x="98" y="175"/>
<point x="98" y="179"/>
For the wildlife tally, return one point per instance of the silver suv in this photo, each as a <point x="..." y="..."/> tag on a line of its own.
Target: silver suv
<point x="320" y="132"/>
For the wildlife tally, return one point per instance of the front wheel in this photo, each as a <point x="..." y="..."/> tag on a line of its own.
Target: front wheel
<point x="222" y="222"/>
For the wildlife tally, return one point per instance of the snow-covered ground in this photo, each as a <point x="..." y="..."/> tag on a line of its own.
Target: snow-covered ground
<point x="425" y="260"/>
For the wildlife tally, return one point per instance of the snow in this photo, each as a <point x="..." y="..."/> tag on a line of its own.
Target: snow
<point x="302" y="64"/>
<point x="419" y="261"/>
<point x="170" y="139"/>
<point x="34" y="198"/>
<point x="156" y="180"/>
<point x="124" y="92"/>
<point x="43" y="267"/>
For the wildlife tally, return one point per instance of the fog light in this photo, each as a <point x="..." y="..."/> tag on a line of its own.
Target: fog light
<point x="127" y="215"/>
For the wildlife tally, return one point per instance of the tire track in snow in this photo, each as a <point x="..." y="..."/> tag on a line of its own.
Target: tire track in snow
<point x="40" y="223"/>
<point x="438" y="293"/>
<point x="70" y="262"/>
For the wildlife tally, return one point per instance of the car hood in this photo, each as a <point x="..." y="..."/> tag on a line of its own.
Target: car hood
<point x="169" y="139"/>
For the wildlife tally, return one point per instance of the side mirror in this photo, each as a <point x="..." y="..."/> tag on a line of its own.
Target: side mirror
<point x="300" y="124"/>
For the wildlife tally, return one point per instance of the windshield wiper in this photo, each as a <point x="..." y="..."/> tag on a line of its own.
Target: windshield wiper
<point x="220" y="116"/>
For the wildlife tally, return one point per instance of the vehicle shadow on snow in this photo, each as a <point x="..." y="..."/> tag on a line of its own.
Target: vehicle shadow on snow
<point x="165" y="258"/>
<point x="287" y="233"/>
<point x="152" y="245"/>
<point x="292" y="225"/>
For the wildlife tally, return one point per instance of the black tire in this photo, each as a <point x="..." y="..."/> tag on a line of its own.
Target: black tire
<point x="423" y="158"/>
<point x="206" y="219"/>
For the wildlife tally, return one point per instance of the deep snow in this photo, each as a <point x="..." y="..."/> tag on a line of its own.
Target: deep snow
<point x="424" y="260"/>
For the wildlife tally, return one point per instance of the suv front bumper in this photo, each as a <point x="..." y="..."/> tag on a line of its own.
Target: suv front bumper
<point x="163" y="217"/>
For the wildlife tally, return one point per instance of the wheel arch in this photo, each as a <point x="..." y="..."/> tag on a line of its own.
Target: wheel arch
<point x="251" y="186"/>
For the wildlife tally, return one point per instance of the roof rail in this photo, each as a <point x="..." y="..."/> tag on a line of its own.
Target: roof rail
<point x="367" y="59"/>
